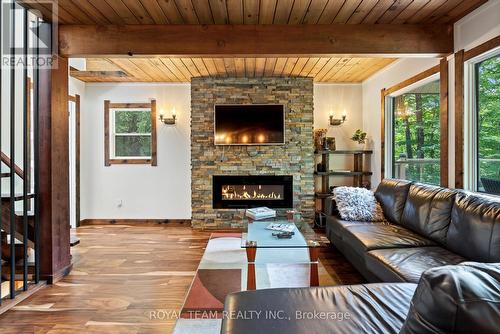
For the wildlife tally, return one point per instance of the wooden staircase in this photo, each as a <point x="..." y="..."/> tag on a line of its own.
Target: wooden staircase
<point x="8" y="203"/>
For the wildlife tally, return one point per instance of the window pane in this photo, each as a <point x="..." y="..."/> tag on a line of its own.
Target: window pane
<point x="488" y="125"/>
<point x="133" y="146"/>
<point x="416" y="143"/>
<point x="133" y="121"/>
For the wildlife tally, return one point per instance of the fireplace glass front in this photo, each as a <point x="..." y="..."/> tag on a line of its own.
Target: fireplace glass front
<point x="252" y="191"/>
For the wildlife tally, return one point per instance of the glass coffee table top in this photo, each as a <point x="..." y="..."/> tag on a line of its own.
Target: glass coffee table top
<point x="258" y="236"/>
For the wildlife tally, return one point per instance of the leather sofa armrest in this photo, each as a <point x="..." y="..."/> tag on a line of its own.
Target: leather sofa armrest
<point x="331" y="206"/>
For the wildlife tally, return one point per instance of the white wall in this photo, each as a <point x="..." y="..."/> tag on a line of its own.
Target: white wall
<point x="478" y="27"/>
<point x="339" y="98"/>
<point x="163" y="192"/>
<point x="146" y="192"/>
<point x="472" y="30"/>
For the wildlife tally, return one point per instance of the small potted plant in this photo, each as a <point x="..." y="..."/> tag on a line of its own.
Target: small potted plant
<point x="360" y="137"/>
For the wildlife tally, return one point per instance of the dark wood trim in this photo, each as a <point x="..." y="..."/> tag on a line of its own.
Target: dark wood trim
<point x="7" y="304"/>
<point x="106" y="133"/>
<point x="459" y="119"/>
<point x="410" y="81"/>
<point x="136" y="222"/>
<point x="154" y="153"/>
<point x="60" y="274"/>
<point x="482" y="48"/>
<point x="53" y="168"/>
<point x="130" y="161"/>
<point x="382" y="133"/>
<point x="443" y="121"/>
<point x="153" y="161"/>
<point x="129" y="105"/>
<point x="255" y="40"/>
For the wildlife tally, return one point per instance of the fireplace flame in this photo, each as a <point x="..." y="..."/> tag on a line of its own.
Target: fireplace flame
<point x="229" y="193"/>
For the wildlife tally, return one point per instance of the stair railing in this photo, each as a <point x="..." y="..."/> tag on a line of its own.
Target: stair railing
<point x="8" y="162"/>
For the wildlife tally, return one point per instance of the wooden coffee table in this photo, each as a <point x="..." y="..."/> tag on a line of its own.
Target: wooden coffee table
<point x="257" y="236"/>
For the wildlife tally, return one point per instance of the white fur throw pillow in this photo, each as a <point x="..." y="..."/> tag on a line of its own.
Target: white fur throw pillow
<point x="357" y="204"/>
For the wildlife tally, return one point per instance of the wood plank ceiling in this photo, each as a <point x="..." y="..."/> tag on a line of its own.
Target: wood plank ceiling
<point x="183" y="69"/>
<point x="258" y="11"/>
<point x="328" y="69"/>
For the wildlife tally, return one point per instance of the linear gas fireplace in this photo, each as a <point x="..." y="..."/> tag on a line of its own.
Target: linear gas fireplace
<point x="241" y="192"/>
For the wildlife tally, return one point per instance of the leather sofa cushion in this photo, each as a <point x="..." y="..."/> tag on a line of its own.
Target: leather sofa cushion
<point x="456" y="299"/>
<point x="367" y="237"/>
<point x="408" y="264"/>
<point x="338" y="226"/>
<point x="474" y="230"/>
<point x="428" y="211"/>
<point x="370" y="308"/>
<point x="391" y="194"/>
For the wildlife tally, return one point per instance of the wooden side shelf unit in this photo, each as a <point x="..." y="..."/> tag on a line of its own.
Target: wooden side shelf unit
<point x="357" y="173"/>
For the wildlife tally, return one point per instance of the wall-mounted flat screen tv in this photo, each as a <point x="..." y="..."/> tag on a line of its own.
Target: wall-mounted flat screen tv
<point x="252" y="124"/>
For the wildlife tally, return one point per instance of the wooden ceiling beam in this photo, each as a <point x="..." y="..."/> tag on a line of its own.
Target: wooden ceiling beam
<point x="254" y="40"/>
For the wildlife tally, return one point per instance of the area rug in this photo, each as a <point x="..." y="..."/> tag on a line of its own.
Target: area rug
<point x="223" y="270"/>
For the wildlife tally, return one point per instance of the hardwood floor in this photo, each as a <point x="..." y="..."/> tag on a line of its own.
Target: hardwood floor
<point x="122" y="276"/>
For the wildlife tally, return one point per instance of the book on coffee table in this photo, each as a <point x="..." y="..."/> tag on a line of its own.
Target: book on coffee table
<point x="283" y="227"/>
<point x="260" y="213"/>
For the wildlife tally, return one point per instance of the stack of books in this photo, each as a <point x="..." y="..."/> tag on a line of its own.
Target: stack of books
<point x="260" y="213"/>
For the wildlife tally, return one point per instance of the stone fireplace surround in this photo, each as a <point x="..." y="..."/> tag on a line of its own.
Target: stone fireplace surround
<point x="295" y="158"/>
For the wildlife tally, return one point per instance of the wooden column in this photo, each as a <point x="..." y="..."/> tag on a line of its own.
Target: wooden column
<point x="382" y="133"/>
<point x="459" y="119"/>
<point x="55" y="258"/>
<point x="443" y="120"/>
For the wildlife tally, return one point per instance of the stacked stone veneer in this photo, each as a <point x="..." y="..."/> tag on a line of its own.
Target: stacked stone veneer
<point x="294" y="158"/>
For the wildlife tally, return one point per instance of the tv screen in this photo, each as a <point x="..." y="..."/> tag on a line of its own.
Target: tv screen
<point x="249" y="124"/>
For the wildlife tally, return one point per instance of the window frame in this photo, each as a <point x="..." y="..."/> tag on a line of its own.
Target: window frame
<point x="470" y="120"/>
<point x="110" y="133"/>
<point x="387" y="117"/>
<point x="462" y="109"/>
<point x="392" y="118"/>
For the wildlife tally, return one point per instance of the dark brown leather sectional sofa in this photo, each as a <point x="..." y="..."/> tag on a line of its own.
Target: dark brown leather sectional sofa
<point x="430" y="235"/>
<point x="427" y="227"/>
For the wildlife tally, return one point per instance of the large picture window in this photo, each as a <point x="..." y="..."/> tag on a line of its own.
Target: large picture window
<point x="416" y="134"/>
<point x="487" y="116"/>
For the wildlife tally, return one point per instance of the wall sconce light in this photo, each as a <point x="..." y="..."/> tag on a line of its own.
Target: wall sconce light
<point x="337" y="121"/>
<point x="170" y="120"/>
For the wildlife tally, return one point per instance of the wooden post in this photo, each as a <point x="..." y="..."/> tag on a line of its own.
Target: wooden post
<point x="55" y="258"/>
<point x="251" y="280"/>
<point x="459" y="119"/>
<point x="443" y="120"/>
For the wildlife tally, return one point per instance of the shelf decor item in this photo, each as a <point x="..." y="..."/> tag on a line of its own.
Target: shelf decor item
<point x="330" y="143"/>
<point x="319" y="134"/>
<point x="359" y="136"/>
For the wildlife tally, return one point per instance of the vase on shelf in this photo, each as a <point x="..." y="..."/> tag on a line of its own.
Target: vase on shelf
<point x="361" y="146"/>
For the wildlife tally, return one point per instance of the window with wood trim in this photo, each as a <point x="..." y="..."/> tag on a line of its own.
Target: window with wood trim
<point x="130" y="133"/>
<point x="416" y="128"/>
<point x="482" y="123"/>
